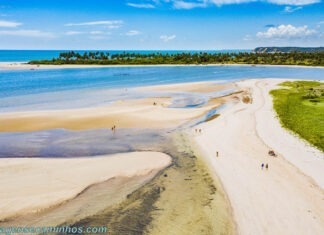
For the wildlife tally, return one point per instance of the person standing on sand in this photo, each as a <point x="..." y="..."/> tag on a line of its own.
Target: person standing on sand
<point x="267" y="166"/>
<point x="216" y="153"/>
<point x="262" y="165"/>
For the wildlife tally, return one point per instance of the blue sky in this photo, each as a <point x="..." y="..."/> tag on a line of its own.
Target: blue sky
<point x="160" y="24"/>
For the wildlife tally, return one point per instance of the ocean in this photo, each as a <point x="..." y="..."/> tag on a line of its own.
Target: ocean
<point x="27" y="89"/>
<point x="28" y="55"/>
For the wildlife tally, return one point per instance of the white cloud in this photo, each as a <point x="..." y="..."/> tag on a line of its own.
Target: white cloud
<point x="27" y="33"/>
<point x="247" y="37"/>
<point x="9" y="24"/>
<point x="98" y="37"/>
<point x="190" y="4"/>
<point x="293" y="2"/>
<point x="228" y="2"/>
<point x="289" y="9"/>
<point x="96" y="32"/>
<point x="141" y="5"/>
<point x="113" y="26"/>
<point x="133" y="33"/>
<point x="167" y="38"/>
<point x="286" y="32"/>
<point x="102" y="22"/>
<point x="93" y="33"/>
<point x="71" y="33"/>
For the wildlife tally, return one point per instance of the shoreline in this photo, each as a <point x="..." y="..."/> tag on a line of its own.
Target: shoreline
<point x="242" y="135"/>
<point x="26" y="66"/>
<point x="242" y="148"/>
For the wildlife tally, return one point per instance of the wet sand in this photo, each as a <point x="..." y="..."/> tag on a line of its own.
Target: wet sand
<point x="127" y="114"/>
<point x="198" y="193"/>
<point x="183" y="199"/>
<point x="153" y="112"/>
<point x="141" y="197"/>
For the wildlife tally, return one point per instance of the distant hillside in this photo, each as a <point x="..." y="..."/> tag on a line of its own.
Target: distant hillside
<point x="287" y="49"/>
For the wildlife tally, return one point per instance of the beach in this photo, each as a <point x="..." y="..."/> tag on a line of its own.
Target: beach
<point x="162" y="117"/>
<point x="173" y="182"/>
<point x="48" y="181"/>
<point x="56" y="187"/>
<point x="26" y="66"/>
<point x="284" y="199"/>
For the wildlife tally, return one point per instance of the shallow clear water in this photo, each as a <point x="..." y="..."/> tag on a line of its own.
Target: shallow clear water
<point x="66" y="143"/>
<point x="23" y="82"/>
<point x="65" y="88"/>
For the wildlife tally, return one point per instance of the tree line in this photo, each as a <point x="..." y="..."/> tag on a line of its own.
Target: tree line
<point x="130" y="58"/>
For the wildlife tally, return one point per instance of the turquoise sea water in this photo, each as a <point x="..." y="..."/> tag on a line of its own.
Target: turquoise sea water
<point x="27" y="55"/>
<point x="83" y="87"/>
<point x="23" y="82"/>
<point x="22" y="90"/>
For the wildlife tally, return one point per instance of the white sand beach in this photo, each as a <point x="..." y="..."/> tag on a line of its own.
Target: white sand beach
<point x="153" y="112"/>
<point x="33" y="184"/>
<point x="26" y="66"/>
<point x="285" y="199"/>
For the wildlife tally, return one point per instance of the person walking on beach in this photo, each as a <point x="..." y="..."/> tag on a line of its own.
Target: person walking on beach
<point x="267" y="166"/>
<point x="216" y="153"/>
<point x="262" y="165"/>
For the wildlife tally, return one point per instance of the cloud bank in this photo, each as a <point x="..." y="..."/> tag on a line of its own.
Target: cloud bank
<point x="287" y="32"/>
<point x="167" y="38"/>
<point x="102" y="22"/>
<point x="191" y="4"/>
<point x="9" y="24"/>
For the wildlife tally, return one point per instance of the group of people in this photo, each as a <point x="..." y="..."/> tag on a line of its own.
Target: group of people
<point x="266" y="166"/>
<point x="113" y="128"/>
<point x="198" y="130"/>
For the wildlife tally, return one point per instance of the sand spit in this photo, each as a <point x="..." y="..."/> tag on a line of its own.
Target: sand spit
<point x="153" y="112"/>
<point x="33" y="184"/>
<point x="25" y="66"/>
<point x="281" y="200"/>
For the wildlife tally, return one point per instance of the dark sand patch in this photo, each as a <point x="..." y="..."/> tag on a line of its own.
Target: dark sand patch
<point x="183" y="199"/>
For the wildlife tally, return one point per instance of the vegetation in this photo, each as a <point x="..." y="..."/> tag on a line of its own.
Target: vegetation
<point x="300" y="107"/>
<point x="128" y="58"/>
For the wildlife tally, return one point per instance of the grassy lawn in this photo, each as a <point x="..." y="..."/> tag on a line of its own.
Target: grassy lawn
<point x="300" y="107"/>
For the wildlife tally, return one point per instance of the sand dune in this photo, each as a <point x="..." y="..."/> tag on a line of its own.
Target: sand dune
<point x="32" y="184"/>
<point x="281" y="200"/>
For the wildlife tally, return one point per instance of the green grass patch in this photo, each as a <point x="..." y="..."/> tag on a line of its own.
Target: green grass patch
<point x="300" y="107"/>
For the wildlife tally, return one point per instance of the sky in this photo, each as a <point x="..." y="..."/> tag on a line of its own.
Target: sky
<point x="160" y="24"/>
